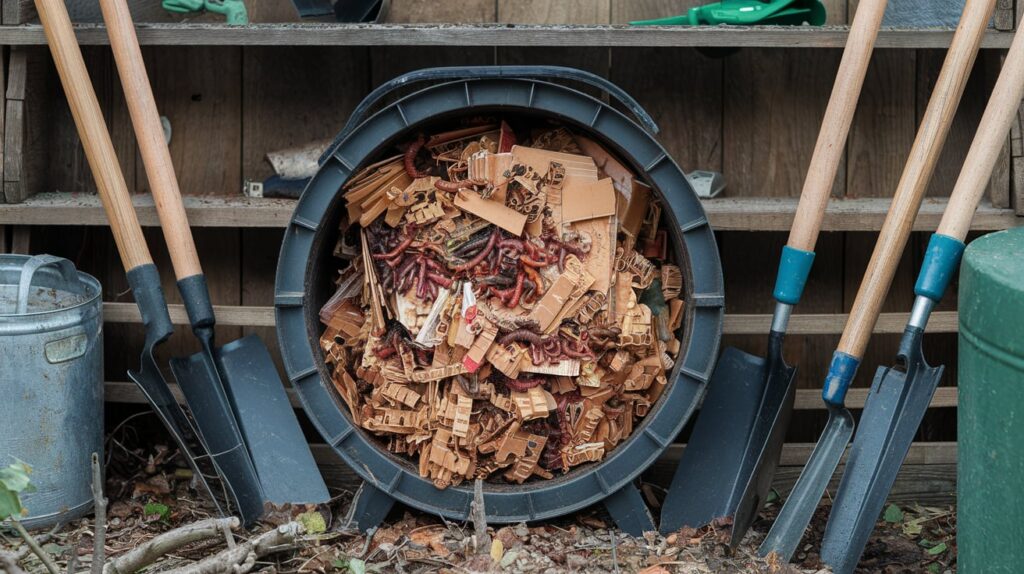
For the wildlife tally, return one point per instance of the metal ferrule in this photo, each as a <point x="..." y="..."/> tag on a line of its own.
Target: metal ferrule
<point x="780" y="319"/>
<point x="922" y="310"/>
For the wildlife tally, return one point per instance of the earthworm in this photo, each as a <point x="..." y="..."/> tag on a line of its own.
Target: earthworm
<point x="495" y="280"/>
<point x="523" y="385"/>
<point x="536" y="355"/>
<point x="514" y="301"/>
<point x="455" y="186"/>
<point x="473" y="244"/>
<point x="421" y="287"/>
<point x="439" y="279"/>
<point x="522" y="336"/>
<point x="511" y="243"/>
<point x="397" y="250"/>
<point x="434" y="265"/>
<point x="479" y="256"/>
<point x="538" y="283"/>
<point x="410" y="158"/>
<point x="532" y="263"/>
<point x="571" y="350"/>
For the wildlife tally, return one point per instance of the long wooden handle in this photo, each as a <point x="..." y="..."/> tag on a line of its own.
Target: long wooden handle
<point x="92" y="130"/>
<point x="828" y="152"/>
<point x="150" y="135"/>
<point x="999" y="116"/>
<point x="916" y="176"/>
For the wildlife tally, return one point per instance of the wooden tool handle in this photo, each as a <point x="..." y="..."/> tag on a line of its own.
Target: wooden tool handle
<point x="150" y="135"/>
<point x="999" y="116"/>
<point x="916" y="176"/>
<point x="92" y="130"/>
<point x="828" y="152"/>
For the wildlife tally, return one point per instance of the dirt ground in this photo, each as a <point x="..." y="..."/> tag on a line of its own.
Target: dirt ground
<point x="149" y="493"/>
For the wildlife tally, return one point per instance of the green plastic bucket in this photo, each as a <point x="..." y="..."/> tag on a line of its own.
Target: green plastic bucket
<point x="990" y="472"/>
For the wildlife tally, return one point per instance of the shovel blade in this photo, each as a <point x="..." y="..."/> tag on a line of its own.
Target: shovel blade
<point x="796" y="513"/>
<point x="199" y="381"/>
<point x="279" y="449"/>
<point x="735" y="443"/>
<point x="894" y="410"/>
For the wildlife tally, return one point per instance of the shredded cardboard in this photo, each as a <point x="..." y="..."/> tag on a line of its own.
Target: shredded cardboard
<point x="506" y="308"/>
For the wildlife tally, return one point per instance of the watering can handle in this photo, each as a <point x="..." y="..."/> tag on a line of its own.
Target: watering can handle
<point x="485" y="72"/>
<point x="28" y="272"/>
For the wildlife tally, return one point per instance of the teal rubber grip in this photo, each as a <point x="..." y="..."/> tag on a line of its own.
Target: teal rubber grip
<point x="794" y="268"/>
<point x="840" y="375"/>
<point x="941" y="260"/>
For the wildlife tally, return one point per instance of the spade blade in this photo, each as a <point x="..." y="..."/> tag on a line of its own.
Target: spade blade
<point x="893" y="412"/>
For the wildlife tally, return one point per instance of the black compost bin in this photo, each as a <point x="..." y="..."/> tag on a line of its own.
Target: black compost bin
<point x="306" y="266"/>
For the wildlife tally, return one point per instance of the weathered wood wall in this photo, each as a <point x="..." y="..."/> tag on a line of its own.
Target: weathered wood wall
<point x="752" y="114"/>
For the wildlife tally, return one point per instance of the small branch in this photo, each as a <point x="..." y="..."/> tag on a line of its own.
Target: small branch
<point x="99" y="539"/>
<point x="36" y="549"/>
<point x="167" y="542"/>
<point x="478" y="514"/>
<point x="242" y="557"/>
<point x="73" y="559"/>
<point x="9" y="563"/>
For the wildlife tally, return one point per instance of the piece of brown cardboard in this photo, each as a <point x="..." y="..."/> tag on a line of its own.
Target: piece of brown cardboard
<point x="504" y="217"/>
<point x="588" y="201"/>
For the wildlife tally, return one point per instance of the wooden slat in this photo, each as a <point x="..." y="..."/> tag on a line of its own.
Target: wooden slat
<point x="800" y="324"/>
<point x="806" y="399"/>
<point x="727" y="214"/>
<point x="500" y="35"/>
<point x="928" y="482"/>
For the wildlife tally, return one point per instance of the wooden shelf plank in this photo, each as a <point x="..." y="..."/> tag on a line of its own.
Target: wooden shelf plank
<point x="806" y="399"/>
<point x="800" y="324"/>
<point x="727" y="214"/>
<point x="290" y="34"/>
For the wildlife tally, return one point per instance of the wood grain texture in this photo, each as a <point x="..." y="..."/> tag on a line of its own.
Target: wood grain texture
<point x="884" y="126"/>
<point x="17" y="12"/>
<point x="89" y="119"/>
<point x="554" y="11"/>
<point x="806" y="399"/>
<point x="1017" y="163"/>
<point x="156" y="157"/>
<point x="988" y="145"/>
<point x="688" y="107"/>
<point x="916" y="176"/>
<point x="289" y="34"/>
<point x="774" y="104"/>
<point x="831" y="143"/>
<point x="725" y="214"/>
<point x="199" y="90"/>
<point x="26" y="124"/>
<point x="442" y="12"/>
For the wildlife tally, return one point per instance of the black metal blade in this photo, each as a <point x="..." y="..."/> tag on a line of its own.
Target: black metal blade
<point x="789" y="527"/>
<point x="716" y="463"/>
<point x="893" y="412"/>
<point x="766" y="441"/>
<point x="197" y="376"/>
<point x="277" y="446"/>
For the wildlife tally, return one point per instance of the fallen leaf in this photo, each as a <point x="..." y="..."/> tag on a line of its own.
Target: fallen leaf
<point x="937" y="549"/>
<point x="893" y="514"/>
<point x="497" y="550"/>
<point x="656" y="569"/>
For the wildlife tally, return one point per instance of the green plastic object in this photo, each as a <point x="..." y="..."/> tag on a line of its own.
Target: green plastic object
<point x="748" y="13"/>
<point x="990" y="417"/>
<point x="233" y="10"/>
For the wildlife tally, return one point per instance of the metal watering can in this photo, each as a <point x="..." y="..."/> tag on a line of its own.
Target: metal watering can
<point x="51" y="381"/>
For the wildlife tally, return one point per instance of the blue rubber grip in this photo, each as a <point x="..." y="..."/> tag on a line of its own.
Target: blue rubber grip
<point x="840" y="375"/>
<point x="940" y="263"/>
<point x="794" y="267"/>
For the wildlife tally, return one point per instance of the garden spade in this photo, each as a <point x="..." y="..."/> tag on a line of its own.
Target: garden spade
<point x="143" y="276"/>
<point x="238" y="402"/>
<point x="730" y="460"/>
<point x="796" y="513"/>
<point x="900" y="394"/>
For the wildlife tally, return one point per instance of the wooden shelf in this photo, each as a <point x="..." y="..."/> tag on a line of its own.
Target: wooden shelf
<point x="799" y="324"/>
<point x="806" y="399"/>
<point x="501" y="35"/>
<point x="727" y="214"/>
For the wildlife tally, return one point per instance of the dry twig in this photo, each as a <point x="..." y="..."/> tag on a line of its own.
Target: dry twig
<point x="478" y="514"/>
<point x="36" y="548"/>
<point x="99" y="539"/>
<point x="242" y="557"/>
<point x="9" y="563"/>
<point x="170" y="541"/>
